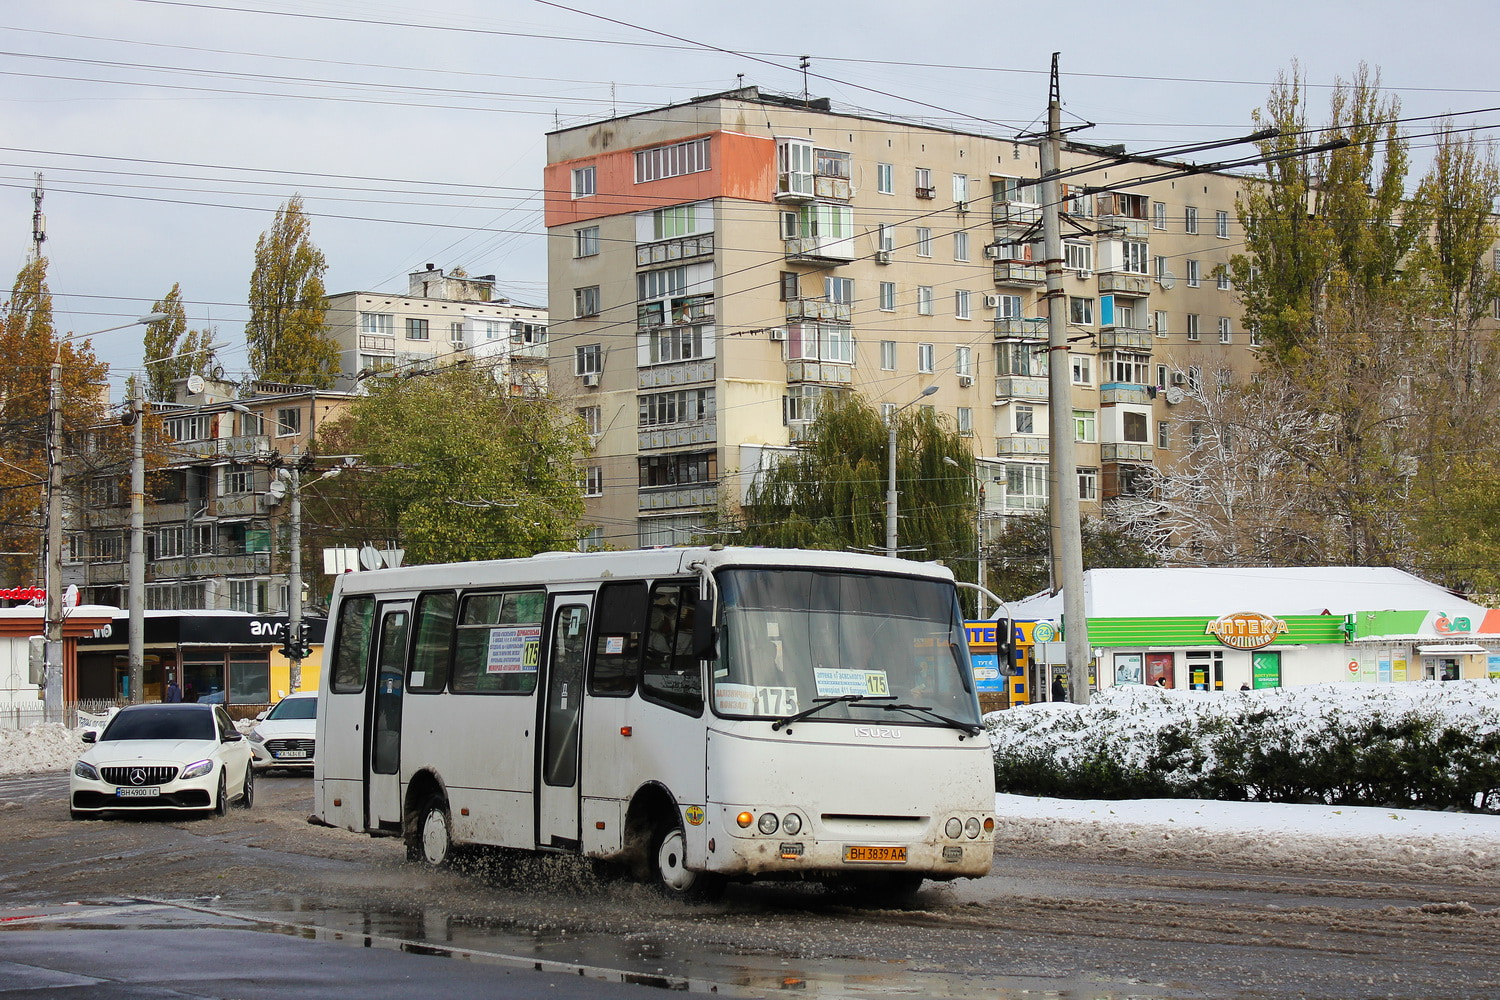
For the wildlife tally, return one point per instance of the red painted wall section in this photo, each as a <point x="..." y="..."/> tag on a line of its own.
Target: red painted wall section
<point x="743" y="166"/>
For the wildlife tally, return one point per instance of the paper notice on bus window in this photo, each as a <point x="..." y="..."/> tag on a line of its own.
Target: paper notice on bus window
<point x="836" y="682"/>
<point x="614" y="645"/>
<point x="734" y="699"/>
<point x="513" y="649"/>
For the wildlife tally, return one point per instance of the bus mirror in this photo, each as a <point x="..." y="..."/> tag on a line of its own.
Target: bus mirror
<point x="705" y="635"/>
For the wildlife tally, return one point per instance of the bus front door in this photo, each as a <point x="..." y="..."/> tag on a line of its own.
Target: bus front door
<point x="562" y="715"/>
<point x="383" y="747"/>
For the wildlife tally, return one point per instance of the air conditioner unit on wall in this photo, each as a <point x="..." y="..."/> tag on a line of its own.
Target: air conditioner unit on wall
<point x="992" y="251"/>
<point x="992" y="301"/>
<point x="966" y="380"/>
<point x="882" y="256"/>
<point x="1085" y="274"/>
<point x="591" y="379"/>
<point x="778" y="333"/>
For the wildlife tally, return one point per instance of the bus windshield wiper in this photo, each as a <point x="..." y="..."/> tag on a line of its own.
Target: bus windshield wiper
<point x="965" y="727"/>
<point x="822" y="703"/>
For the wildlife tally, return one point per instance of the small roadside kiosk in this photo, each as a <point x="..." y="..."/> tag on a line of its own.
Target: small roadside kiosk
<point x="1210" y="629"/>
<point x="229" y="657"/>
<point x="1447" y="644"/>
<point x="18" y="686"/>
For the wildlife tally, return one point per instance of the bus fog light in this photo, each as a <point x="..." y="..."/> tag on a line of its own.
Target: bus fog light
<point x="768" y="823"/>
<point x="953" y="828"/>
<point x="792" y="825"/>
<point x="744" y="819"/>
<point x="989" y="824"/>
<point x="972" y="827"/>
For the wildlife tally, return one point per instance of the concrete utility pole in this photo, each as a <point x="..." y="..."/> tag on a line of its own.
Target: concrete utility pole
<point x="294" y="579"/>
<point x="136" y="583"/>
<point x="52" y="682"/>
<point x="1067" y="532"/>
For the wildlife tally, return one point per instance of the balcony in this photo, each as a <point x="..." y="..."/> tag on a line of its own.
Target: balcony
<point x="662" y="376"/>
<point x="1030" y="328"/>
<point x="678" y="435"/>
<point x="834" y="188"/>
<point x="522" y="351"/>
<point x="821" y="249"/>
<point x="1126" y="392"/>
<point x="375" y="343"/>
<point x="1018" y="272"/>
<point x="244" y="446"/>
<point x="1124" y="452"/>
<point x="1020" y="387"/>
<point x="667" y="251"/>
<point x="1122" y="283"/>
<point x="1124" y="226"/>
<point x="822" y="372"/>
<point x="674" y="312"/>
<point x="1015" y="213"/>
<point x="667" y="498"/>
<point x="818" y="309"/>
<point x="1129" y="337"/>
<point x="1010" y="447"/>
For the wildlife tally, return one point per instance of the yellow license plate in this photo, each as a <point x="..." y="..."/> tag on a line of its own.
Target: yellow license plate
<point x="889" y="855"/>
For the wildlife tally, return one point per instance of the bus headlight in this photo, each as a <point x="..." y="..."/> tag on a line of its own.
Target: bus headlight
<point x="768" y="823"/>
<point x="971" y="828"/>
<point x="954" y="828"/>
<point x="792" y="825"/>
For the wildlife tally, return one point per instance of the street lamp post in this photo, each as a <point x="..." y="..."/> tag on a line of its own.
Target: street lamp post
<point x="52" y="683"/>
<point x="890" y="458"/>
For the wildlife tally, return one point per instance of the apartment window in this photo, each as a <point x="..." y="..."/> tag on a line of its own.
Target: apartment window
<point x="197" y="427"/>
<point x="1161" y="375"/>
<point x="794" y="162"/>
<point x="1159" y="265"/>
<point x="1192" y="326"/>
<point x="583" y="182"/>
<point x="1159" y="318"/>
<point x="1133" y="427"/>
<point x="924" y="300"/>
<point x="592" y="417"/>
<point x="1256" y="342"/>
<point x="1026" y="487"/>
<point x="1019" y="358"/>
<point x="885" y="238"/>
<point x="839" y="290"/>
<point x="888" y="296"/>
<point x="379" y="324"/>
<point x="1190" y="220"/>
<point x="680" y="158"/>
<point x="820" y="342"/>
<point x="682" y="469"/>
<point x="1078" y="256"/>
<point x="961" y="304"/>
<point x="674" y="343"/>
<point x="924" y="241"/>
<point x="1025" y="419"/>
<point x="1221" y="225"/>
<point x="456" y="334"/>
<point x="924" y="357"/>
<point x="106" y="548"/>
<point x="288" y="421"/>
<point x="239" y="478"/>
<point x="960" y="245"/>
<point x="586" y="301"/>
<point x="169" y="543"/>
<point x="790" y="286"/>
<point x="1008" y="189"/>
<point x="1083" y="369"/>
<point x="586" y="241"/>
<point x="961" y="188"/>
<point x="1158" y="215"/>
<point x="888" y="355"/>
<point x="963" y="360"/>
<point x="588" y="360"/>
<point x="593" y="481"/>
<point x="1133" y="257"/>
<point x="1080" y="310"/>
<point x="924" y="183"/>
<point x="1225" y="336"/>
<point x="678" y="220"/>
<point x="1194" y="274"/>
<point x="1085" y="426"/>
<point x="74" y="553"/>
<point x="658" y="408"/>
<point x="1008" y="307"/>
<point x="591" y="540"/>
<point x="1195" y="433"/>
<point x="966" y="421"/>
<point x="885" y="178"/>
<point x="1126" y="366"/>
<point x="1163" y="434"/>
<point x="1221" y="277"/>
<point x="1088" y="484"/>
<point x="416" y="329"/>
<point x="1195" y="378"/>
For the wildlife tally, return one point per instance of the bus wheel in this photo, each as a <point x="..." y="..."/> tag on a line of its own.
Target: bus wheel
<point x="431" y="842"/>
<point x="669" y="871"/>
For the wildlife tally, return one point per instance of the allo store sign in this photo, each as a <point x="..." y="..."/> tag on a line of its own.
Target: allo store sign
<point x="1246" y="629"/>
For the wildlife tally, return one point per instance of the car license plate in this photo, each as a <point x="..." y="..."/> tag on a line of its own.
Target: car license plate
<point x="286" y="754"/>
<point x="896" y="855"/>
<point x="148" y="792"/>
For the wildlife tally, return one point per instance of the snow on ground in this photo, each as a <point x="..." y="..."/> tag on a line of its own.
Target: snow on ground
<point x="48" y="747"/>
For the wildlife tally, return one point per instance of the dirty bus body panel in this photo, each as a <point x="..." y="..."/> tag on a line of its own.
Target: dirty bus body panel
<point x="695" y="714"/>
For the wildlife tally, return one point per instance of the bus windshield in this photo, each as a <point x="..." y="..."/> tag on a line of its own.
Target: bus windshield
<point x="881" y="645"/>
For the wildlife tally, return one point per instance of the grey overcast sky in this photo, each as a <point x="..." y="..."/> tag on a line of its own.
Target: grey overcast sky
<point x="168" y="131"/>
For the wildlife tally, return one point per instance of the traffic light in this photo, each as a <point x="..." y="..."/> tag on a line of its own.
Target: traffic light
<point x="304" y="648"/>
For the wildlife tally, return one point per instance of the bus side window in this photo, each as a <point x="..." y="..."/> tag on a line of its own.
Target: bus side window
<point x="351" y="657"/>
<point x="433" y="649"/>
<point x="620" y="619"/>
<point x="498" y="642"/>
<point x="670" y="673"/>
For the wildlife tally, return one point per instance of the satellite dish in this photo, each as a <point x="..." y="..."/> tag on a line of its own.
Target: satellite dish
<point x="1174" y="394"/>
<point x="276" y="490"/>
<point x="1167" y="280"/>
<point x="195" y="384"/>
<point x="369" y="557"/>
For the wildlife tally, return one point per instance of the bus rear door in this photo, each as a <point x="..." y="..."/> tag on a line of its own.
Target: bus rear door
<point x="562" y="716"/>
<point x="383" y="748"/>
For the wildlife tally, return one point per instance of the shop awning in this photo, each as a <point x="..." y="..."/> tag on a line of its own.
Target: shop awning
<point x="1452" y="647"/>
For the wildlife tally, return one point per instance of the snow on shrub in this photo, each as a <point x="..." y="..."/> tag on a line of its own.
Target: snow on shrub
<point x="1425" y="744"/>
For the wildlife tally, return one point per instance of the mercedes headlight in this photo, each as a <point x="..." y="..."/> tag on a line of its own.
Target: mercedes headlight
<point x="86" y="771"/>
<point x="197" y="769"/>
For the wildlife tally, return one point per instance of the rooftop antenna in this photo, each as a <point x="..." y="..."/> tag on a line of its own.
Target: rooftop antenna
<point x="806" y="62"/>
<point x="739" y="81"/>
<point x="38" y="220"/>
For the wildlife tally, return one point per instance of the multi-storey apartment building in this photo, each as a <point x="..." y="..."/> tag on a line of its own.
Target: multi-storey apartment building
<point x="441" y="318"/>
<point x="718" y="266"/>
